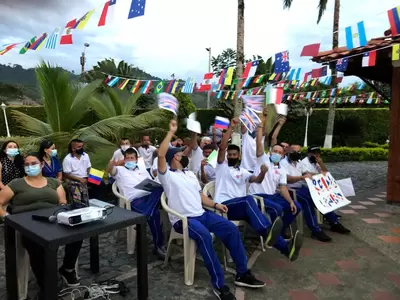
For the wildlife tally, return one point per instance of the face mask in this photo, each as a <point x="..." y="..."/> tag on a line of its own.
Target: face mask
<point x="33" y="170"/>
<point x="184" y="161"/>
<point x="130" y="165"/>
<point x="294" y="156"/>
<point x="79" y="151"/>
<point x="125" y="147"/>
<point x="232" y="161"/>
<point x="53" y="152"/>
<point x="312" y="159"/>
<point x="275" y="158"/>
<point x="12" y="152"/>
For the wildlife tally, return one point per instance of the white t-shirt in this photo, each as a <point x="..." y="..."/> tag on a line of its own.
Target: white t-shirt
<point x="147" y="154"/>
<point x="127" y="179"/>
<point x="293" y="169"/>
<point x="230" y="182"/>
<point x="248" y="152"/>
<point x="154" y="167"/>
<point x="117" y="156"/>
<point x="274" y="178"/>
<point x="183" y="193"/>
<point x="308" y="167"/>
<point x="195" y="161"/>
<point x="210" y="171"/>
<point x="77" y="166"/>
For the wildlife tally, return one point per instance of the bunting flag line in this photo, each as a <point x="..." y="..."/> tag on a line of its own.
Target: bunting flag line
<point x="53" y="39"/>
<point x="112" y="82"/>
<point x="123" y="84"/>
<point x="146" y="87"/>
<point x="189" y="85"/>
<point x="159" y="87"/>
<point x="282" y="62"/>
<point x="135" y="87"/>
<point x="310" y="50"/>
<point x="206" y="84"/>
<point x="8" y="47"/>
<point x="341" y="64"/>
<point x="39" y="42"/>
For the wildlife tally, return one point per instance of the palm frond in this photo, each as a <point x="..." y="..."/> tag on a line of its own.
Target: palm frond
<point x="102" y="107"/>
<point x="321" y="9"/>
<point x="287" y="3"/>
<point x="99" y="149"/>
<point x="29" y="125"/>
<point x="115" y="100"/>
<point x="130" y="104"/>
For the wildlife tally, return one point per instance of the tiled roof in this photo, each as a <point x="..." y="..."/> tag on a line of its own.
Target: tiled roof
<point x="341" y="52"/>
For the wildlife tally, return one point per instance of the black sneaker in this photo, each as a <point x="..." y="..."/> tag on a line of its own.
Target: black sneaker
<point x="339" y="228"/>
<point x="295" y="245"/>
<point x="321" y="236"/>
<point x="69" y="277"/>
<point x="249" y="280"/>
<point x="224" y="294"/>
<point x="274" y="232"/>
<point x="160" y="252"/>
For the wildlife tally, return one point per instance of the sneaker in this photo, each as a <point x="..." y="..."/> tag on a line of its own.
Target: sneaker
<point x="69" y="277"/>
<point x="321" y="236"/>
<point x="339" y="228"/>
<point x="249" y="280"/>
<point x="295" y="245"/>
<point x="274" y="232"/>
<point x="224" y="294"/>
<point x="160" y="252"/>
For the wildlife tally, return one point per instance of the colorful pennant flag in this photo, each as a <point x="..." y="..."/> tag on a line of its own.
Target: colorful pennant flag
<point x="355" y="36"/>
<point x="95" y="176"/>
<point x="168" y="102"/>
<point x="310" y="50"/>
<point x="273" y="95"/>
<point x="8" y="47"/>
<point x="225" y="78"/>
<point x="246" y="82"/>
<point x="107" y="12"/>
<point x="81" y="23"/>
<point x="53" y="39"/>
<point x="282" y="62"/>
<point x="259" y="79"/>
<point x="396" y="53"/>
<point x="39" y="42"/>
<point x="66" y="37"/>
<point x="27" y="45"/>
<point x="221" y="123"/>
<point x="159" y="88"/>
<point x="135" y="87"/>
<point x="394" y="20"/>
<point x="175" y="87"/>
<point x="250" y="69"/>
<point x="206" y="84"/>
<point x="112" y="82"/>
<point x="146" y="87"/>
<point x="189" y="85"/>
<point x="123" y="84"/>
<point x="341" y="64"/>
<point x="137" y="8"/>
<point x="306" y="75"/>
<point x="369" y="59"/>
<point x="320" y="72"/>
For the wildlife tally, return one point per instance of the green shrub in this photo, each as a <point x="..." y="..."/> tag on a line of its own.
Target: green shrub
<point x="375" y="145"/>
<point x="352" y="154"/>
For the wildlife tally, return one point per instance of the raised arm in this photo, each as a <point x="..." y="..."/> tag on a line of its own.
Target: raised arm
<point x="259" y="137"/>
<point x="193" y="142"/>
<point x="277" y="129"/>
<point x="224" y="142"/>
<point x="162" y="151"/>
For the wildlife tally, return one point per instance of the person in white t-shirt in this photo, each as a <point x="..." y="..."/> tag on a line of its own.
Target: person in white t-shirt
<point x="207" y="171"/>
<point x="185" y="197"/>
<point x="197" y="152"/>
<point x="124" y="144"/>
<point x="146" y="150"/>
<point x="127" y="175"/>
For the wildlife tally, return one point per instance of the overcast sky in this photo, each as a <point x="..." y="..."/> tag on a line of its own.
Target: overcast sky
<point x="173" y="34"/>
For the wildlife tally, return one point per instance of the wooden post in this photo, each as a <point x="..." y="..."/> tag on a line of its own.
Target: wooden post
<point x="393" y="175"/>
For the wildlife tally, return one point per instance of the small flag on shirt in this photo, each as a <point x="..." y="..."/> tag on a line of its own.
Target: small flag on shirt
<point x="221" y="123"/>
<point x="95" y="176"/>
<point x="341" y="64"/>
<point x="137" y="8"/>
<point x="282" y="62"/>
<point x="369" y="59"/>
<point x="310" y="50"/>
<point x="53" y="39"/>
<point x="206" y="84"/>
<point x="168" y="102"/>
<point x="394" y="20"/>
<point x="249" y="119"/>
<point x="250" y="69"/>
<point x="355" y="36"/>
<point x="255" y="102"/>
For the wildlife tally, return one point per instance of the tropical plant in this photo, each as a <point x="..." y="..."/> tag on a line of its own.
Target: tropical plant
<point x="66" y="105"/>
<point x="224" y="60"/>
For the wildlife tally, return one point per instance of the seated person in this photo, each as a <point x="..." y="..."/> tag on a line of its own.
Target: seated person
<point x="52" y="165"/>
<point x="230" y="190"/>
<point x="297" y="172"/>
<point x="127" y="177"/>
<point x="275" y="178"/>
<point x="185" y="197"/>
<point x="197" y="152"/>
<point x="124" y="144"/>
<point x="207" y="171"/>
<point x="34" y="192"/>
<point x="146" y="150"/>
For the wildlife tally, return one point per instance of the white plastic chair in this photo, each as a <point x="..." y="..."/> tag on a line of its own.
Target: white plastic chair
<point x="131" y="230"/>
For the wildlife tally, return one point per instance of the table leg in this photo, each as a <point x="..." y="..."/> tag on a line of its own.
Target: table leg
<point x="141" y="245"/>
<point x="50" y="281"/>
<point x="94" y="254"/>
<point x="11" y="263"/>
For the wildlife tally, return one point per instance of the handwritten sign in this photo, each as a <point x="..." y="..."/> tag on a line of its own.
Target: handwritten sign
<point x="326" y="193"/>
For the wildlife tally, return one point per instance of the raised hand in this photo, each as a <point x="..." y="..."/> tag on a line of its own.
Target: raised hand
<point x="173" y="126"/>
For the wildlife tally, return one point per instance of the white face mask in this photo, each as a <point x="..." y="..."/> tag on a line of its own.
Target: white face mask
<point x="125" y="147"/>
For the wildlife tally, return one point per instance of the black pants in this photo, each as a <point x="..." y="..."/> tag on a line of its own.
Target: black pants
<point x="36" y="257"/>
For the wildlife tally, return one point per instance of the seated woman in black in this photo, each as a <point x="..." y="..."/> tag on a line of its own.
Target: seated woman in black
<point x="34" y="192"/>
<point x="52" y="165"/>
<point x="11" y="163"/>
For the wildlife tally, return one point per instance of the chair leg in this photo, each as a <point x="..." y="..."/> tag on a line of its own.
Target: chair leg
<point x="131" y="239"/>
<point x="169" y="250"/>
<point x="262" y="244"/>
<point x="190" y="262"/>
<point x="23" y="269"/>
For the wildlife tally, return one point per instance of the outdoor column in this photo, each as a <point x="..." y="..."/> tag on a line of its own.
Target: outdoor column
<point x="393" y="175"/>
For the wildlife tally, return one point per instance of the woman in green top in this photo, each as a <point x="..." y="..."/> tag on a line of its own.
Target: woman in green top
<point x="34" y="192"/>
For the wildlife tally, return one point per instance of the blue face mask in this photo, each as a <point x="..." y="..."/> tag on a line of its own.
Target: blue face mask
<point x="275" y="158"/>
<point x="33" y="170"/>
<point x="130" y="165"/>
<point x="53" y="152"/>
<point x="12" y="152"/>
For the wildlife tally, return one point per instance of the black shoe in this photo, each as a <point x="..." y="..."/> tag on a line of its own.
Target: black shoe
<point x="160" y="252"/>
<point x="295" y="245"/>
<point x="224" y="294"/>
<point x="69" y="277"/>
<point x="248" y="280"/>
<point x="274" y="232"/>
<point x="321" y="236"/>
<point x="339" y="228"/>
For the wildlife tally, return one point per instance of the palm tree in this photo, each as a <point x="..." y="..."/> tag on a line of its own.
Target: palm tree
<point x="224" y="60"/>
<point x="239" y="55"/>
<point x="335" y="43"/>
<point x="66" y="105"/>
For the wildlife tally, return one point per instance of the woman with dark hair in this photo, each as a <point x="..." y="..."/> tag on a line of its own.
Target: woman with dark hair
<point x="52" y="165"/>
<point x="11" y="163"/>
<point x="34" y="192"/>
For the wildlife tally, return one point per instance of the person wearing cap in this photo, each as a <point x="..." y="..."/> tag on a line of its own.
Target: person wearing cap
<point x="128" y="174"/>
<point x="185" y="197"/>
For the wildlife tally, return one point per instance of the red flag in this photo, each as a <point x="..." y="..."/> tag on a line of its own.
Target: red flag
<point x="66" y="37"/>
<point x="103" y="15"/>
<point x="320" y="72"/>
<point x="310" y="50"/>
<point x="8" y="48"/>
<point x="206" y="84"/>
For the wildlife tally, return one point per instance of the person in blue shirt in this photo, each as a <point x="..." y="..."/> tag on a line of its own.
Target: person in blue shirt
<point x="52" y="165"/>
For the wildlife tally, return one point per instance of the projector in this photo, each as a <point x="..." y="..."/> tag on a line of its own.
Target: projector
<point x="81" y="216"/>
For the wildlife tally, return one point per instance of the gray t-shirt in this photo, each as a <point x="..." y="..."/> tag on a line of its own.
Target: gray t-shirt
<point x="28" y="198"/>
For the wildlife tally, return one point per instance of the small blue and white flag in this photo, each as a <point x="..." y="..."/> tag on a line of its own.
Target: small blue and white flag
<point x="355" y="36"/>
<point x="53" y="39"/>
<point x="327" y="80"/>
<point x="189" y="86"/>
<point x="112" y="82"/>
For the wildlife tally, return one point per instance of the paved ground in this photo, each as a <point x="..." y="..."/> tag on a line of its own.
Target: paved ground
<point x="364" y="265"/>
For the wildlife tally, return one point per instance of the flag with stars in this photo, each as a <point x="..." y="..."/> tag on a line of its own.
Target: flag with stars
<point x="137" y="8"/>
<point x="159" y="88"/>
<point x="341" y="64"/>
<point x="282" y="62"/>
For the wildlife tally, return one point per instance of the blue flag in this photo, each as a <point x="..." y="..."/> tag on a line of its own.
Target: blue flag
<point x="137" y="8"/>
<point x="341" y="64"/>
<point x="282" y="62"/>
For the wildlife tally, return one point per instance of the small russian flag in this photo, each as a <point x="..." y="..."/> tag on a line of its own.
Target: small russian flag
<point x="95" y="176"/>
<point x="221" y="123"/>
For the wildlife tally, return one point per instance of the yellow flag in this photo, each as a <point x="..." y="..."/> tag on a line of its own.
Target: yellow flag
<point x="83" y="21"/>
<point x="229" y="76"/>
<point x="396" y="52"/>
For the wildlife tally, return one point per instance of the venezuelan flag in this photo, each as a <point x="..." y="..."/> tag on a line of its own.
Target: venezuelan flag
<point x="95" y="176"/>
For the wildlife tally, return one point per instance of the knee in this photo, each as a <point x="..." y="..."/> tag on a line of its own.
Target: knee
<point x="250" y="199"/>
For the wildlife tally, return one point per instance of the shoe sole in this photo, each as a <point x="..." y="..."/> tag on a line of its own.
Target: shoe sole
<point x="69" y="284"/>
<point x="242" y="284"/>
<point x="274" y="232"/>
<point x="216" y="294"/>
<point x="297" y="244"/>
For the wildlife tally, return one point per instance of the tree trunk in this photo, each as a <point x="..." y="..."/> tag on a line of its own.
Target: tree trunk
<point x="332" y="106"/>
<point x="239" y="67"/>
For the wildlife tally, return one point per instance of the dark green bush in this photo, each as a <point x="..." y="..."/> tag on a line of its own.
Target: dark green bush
<point x="375" y="145"/>
<point x="353" y="154"/>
